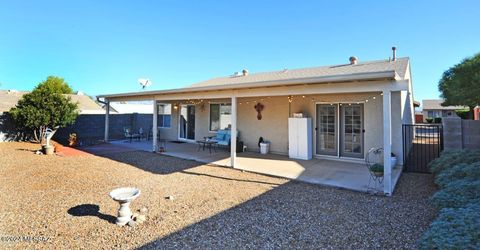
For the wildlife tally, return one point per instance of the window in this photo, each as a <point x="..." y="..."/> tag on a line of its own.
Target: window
<point x="164" y="115"/>
<point x="220" y="116"/>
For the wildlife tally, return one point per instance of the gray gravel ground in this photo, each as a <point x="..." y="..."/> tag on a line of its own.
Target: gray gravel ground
<point x="64" y="200"/>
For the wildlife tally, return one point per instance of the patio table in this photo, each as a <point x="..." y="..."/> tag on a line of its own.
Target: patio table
<point x="208" y="143"/>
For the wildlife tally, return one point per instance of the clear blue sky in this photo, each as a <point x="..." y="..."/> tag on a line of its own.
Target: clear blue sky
<point x="102" y="47"/>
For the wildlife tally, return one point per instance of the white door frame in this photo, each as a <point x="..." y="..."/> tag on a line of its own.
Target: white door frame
<point x="338" y="156"/>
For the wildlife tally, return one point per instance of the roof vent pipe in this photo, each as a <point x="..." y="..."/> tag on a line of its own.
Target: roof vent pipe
<point x="245" y="72"/>
<point x="353" y="60"/>
<point x="394" y="51"/>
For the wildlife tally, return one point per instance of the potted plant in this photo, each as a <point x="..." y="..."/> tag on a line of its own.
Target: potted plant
<point x="72" y="140"/>
<point x="377" y="169"/>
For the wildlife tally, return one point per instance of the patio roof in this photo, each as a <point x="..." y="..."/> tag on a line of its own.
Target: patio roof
<point x="367" y="71"/>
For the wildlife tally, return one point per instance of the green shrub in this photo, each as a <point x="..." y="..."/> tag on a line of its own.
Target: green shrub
<point x="429" y="120"/>
<point x="455" y="228"/>
<point x="457" y="194"/>
<point x="458" y="172"/>
<point x="376" y="168"/>
<point x="450" y="158"/>
<point x="464" y="114"/>
<point x="437" y="120"/>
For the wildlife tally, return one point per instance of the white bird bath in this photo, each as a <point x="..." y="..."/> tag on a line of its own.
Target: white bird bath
<point x="124" y="196"/>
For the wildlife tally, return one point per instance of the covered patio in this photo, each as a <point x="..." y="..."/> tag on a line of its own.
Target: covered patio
<point x="341" y="174"/>
<point x="352" y="108"/>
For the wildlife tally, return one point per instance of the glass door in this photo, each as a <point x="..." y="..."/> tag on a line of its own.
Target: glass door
<point x="351" y="140"/>
<point x="327" y="134"/>
<point x="187" y="122"/>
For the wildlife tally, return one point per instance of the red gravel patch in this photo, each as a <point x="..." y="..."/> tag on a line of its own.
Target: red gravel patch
<point x="69" y="152"/>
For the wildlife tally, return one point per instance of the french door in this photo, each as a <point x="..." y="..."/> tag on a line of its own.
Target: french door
<point x="187" y="122"/>
<point x="339" y="130"/>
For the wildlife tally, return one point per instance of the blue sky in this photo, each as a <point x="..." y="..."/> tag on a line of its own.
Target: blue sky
<point x="103" y="47"/>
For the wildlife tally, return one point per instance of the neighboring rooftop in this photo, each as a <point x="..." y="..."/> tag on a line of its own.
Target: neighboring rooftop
<point x="399" y="66"/>
<point x="9" y="98"/>
<point x="436" y="104"/>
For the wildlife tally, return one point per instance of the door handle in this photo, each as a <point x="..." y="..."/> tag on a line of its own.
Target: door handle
<point x="363" y="130"/>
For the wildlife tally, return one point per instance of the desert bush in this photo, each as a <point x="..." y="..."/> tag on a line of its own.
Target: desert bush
<point x="458" y="172"/>
<point x="455" y="228"/>
<point x="457" y="194"/>
<point x="451" y="158"/>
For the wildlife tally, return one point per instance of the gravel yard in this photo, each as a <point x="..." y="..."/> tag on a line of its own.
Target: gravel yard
<point x="63" y="202"/>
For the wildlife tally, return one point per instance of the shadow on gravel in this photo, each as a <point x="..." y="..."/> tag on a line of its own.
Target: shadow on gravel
<point x="90" y="210"/>
<point x="228" y="179"/>
<point x="153" y="163"/>
<point x="299" y="215"/>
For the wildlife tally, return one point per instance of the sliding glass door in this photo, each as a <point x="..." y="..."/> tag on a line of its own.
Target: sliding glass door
<point x="187" y="122"/>
<point x="339" y="130"/>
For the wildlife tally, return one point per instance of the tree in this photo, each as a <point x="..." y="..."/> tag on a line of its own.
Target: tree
<point x="460" y="85"/>
<point x="55" y="84"/>
<point x="46" y="106"/>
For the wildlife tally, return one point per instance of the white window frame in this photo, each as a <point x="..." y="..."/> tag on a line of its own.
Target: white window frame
<point x="163" y="115"/>
<point x="210" y="114"/>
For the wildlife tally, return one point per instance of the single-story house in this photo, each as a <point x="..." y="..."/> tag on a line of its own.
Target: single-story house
<point x="352" y="107"/>
<point x="433" y="108"/>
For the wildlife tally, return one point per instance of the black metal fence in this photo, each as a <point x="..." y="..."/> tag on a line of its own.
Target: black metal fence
<point x="422" y="143"/>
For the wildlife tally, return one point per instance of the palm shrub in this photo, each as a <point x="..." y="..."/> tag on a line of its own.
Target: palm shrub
<point x="454" y="228"/>
<point x="457" y="194"/>
<point x="461" y="171"/>
<point x="450" y="158"/>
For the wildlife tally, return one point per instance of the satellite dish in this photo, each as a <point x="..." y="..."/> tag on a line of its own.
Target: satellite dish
<point x="144" y="82"/>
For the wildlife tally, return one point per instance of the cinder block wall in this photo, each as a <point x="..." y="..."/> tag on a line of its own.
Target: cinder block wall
<point x="460" y="134"/>
<point x="91" y="127"/>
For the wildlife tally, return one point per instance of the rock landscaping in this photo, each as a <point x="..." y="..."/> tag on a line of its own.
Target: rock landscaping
<point x="51" y="202"/>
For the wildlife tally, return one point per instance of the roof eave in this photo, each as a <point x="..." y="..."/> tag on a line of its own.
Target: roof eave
<point x="388" y="75"/>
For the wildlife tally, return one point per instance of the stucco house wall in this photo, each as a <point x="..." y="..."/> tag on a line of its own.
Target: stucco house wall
<point x="274" y="124"/>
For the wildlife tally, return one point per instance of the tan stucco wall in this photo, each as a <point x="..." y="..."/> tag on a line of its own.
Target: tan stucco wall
<point x="274" y="124"/>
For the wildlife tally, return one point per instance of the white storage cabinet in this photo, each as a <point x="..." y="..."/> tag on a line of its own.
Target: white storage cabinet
<point x="300" y="138"/>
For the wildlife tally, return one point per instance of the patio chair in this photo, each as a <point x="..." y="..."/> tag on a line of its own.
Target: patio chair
<point x="222" y="138"/>
<point x="374" y="157"/>
<point x="129" y="136"/>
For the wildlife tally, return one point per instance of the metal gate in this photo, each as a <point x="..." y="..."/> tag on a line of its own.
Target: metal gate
<point x="422" y="143"/>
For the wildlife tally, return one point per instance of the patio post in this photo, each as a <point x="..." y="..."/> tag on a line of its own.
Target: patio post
<point x="233" y="132"/>
<point x="107" y="117"/>
<point x="387" y="142"/>
<point x="154" y="126"/>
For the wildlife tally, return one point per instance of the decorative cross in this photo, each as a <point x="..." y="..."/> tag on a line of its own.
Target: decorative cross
<point x="259" y="107"/>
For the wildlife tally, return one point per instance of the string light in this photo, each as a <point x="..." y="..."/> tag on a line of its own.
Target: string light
<point x="290" y="99"/>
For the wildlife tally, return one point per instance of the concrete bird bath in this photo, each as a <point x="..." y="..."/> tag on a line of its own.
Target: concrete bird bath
<point x="124" y="196"/>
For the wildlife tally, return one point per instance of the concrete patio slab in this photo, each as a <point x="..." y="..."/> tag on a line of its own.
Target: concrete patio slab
<point x="336" y="173"/>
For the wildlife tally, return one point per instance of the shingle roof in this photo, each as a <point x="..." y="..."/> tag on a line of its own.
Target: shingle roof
<point x="9" y="98"/>
<point x="436" y="104"/>
<point x="400" y="66"/>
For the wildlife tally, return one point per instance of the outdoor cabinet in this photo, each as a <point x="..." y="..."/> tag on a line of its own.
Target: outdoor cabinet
<point x="300" y="138"/>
